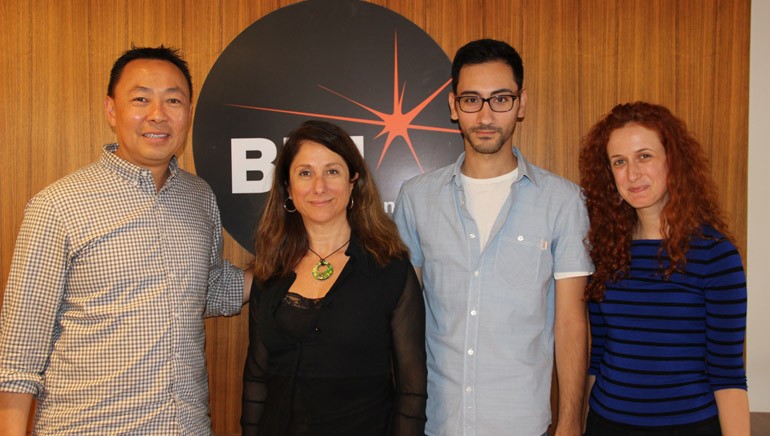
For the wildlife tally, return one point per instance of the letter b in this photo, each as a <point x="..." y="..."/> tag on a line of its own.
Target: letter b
<point x="252" y="164"/>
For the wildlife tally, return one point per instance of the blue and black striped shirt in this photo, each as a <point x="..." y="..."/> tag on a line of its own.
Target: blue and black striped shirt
<point x="661" y="348"/>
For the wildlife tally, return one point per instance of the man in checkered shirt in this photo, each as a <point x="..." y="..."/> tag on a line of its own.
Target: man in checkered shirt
<point x="115" y="267"/>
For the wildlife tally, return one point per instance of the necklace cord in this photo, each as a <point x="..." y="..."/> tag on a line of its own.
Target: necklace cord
<point x="323" y="258"/>
<point x="323" y="269"/>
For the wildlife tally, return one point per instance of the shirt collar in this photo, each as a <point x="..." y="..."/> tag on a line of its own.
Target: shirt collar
<point x="134" y="174"/>
<point x="523" y="165"/>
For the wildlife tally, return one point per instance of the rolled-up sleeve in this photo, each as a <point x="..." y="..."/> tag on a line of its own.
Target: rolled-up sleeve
<point x="32" y="298"/>
<point x="225" y="287"/>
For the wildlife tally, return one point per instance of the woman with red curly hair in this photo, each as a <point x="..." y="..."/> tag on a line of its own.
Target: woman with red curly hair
<point x="668" y="298"/>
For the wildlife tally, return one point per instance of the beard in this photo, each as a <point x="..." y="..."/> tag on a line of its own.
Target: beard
<point x="486" y="146"/>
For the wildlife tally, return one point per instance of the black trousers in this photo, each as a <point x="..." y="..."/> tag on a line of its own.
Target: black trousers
<point x="598" y="426"/>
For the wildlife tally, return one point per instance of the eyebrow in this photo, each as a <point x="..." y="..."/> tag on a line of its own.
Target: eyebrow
<point x="497" y="91"/>
<point x="146" y="89"/>
<point x="633" y="152"/>
<point x="306" y="164"/>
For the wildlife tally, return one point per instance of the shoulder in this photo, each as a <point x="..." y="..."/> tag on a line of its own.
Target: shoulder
<point x="392" y="277"/>
<point x="429" y="182"/>
<point x="396" y="268"/>
<point x="398" y="265"/>
<point x="191" y="181"/>
<point x="711" y="243"/>
<point x="710" y="233"/>
<point x="548" y="181"/>
<point x="712" y="251"/>
<point x="189" y="189"/>
<point x="71" y="186"/>
<point x="549" y="193"/>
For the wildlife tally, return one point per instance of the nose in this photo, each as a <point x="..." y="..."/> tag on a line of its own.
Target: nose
<point x="634" y="171"/>
<point x="157" y="112"/>
<point x="484" y="116"/>
<point x="319" y="185"/>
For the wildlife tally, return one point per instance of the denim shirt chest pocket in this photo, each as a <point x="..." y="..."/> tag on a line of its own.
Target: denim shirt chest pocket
<point x="520" y="259"/>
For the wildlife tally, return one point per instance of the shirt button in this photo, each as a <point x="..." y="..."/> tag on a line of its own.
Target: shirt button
<point x="472" y="235"/>
<point x="468" y="389"/>
<point x="473" y="312"/>
<point x="470" y="352"/>
<point x="475" y="273"/>
<point x="520" y="238"/>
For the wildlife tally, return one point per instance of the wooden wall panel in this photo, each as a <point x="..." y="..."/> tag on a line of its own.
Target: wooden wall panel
<point x="581" y="57"/>
<point x="107" y="37"/>
<point x="549" y="49"/>
<point x="58" y="86"/>
<point x="598" y="71"/>
<point x="729" y="111"/>
<point x="15" y="68"/>
<point x="453" y="23"/>
<point x="646" y="51"/>
<point x="695" y="64"/>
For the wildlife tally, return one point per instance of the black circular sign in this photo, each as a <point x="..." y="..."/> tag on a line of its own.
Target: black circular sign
<point x="353" y="63"/>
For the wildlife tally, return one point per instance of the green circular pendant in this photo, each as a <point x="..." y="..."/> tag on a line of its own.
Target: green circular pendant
<point x="322" y="270"/>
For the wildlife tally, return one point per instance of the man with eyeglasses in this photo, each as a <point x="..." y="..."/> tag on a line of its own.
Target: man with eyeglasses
<point x="498" y="244"/>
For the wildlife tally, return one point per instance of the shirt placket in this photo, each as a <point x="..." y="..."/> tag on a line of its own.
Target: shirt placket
<point x="173" y="307"/>
<point x="470" y="357"/>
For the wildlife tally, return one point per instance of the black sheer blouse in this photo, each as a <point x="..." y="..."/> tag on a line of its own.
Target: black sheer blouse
<point x="352" y="363"/>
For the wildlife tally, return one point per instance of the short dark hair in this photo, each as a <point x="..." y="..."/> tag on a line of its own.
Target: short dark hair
<point x="162" y="53"/>
<point x="487" y="50"/>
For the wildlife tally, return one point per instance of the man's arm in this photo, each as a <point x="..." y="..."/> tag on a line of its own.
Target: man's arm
<point x="226" y="281"/>
<point x="14" y="413"/>
<point x="33" y="296"/>
<point x="571" y="343"/>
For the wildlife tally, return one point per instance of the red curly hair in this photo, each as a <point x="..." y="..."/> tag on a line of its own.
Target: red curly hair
<point x="692" y="195"/>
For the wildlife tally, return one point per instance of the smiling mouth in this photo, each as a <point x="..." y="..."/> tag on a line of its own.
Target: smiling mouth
<point x="155" y="135"/>
<point x="320" y="202"/>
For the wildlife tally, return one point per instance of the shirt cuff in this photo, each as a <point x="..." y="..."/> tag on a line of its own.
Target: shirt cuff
<point x="566" y="275"/>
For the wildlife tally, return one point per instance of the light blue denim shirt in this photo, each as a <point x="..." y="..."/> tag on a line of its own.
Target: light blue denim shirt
<point x="489" y="310"/>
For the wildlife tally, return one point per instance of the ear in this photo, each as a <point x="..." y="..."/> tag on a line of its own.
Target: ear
<point x="452" y="109"/>
<point x="109" y="109"/>
<point x="522" y="104"/>
<point x="353" y="180"/>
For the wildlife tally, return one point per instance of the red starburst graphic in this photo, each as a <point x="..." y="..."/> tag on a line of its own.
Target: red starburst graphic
<point x="395" y="124"/>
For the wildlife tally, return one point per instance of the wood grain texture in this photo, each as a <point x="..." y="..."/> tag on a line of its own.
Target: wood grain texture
<point x="581" y="58"/>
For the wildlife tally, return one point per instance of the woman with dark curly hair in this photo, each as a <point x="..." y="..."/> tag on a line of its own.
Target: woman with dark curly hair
<point x="668" y="298"/>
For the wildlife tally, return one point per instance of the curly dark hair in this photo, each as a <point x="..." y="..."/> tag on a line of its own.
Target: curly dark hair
<point x="692" y="195"/>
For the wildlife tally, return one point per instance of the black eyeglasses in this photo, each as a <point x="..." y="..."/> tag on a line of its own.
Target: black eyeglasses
<point x="498" y="102"/>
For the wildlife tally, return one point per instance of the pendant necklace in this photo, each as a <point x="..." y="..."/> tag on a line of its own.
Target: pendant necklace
<point x="323" y="269"/>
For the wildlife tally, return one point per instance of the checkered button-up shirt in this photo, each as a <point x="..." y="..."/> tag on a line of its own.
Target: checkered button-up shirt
<point x="104" y="306"/>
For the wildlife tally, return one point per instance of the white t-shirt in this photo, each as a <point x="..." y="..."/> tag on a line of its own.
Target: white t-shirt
<point x="484" y="198"/>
